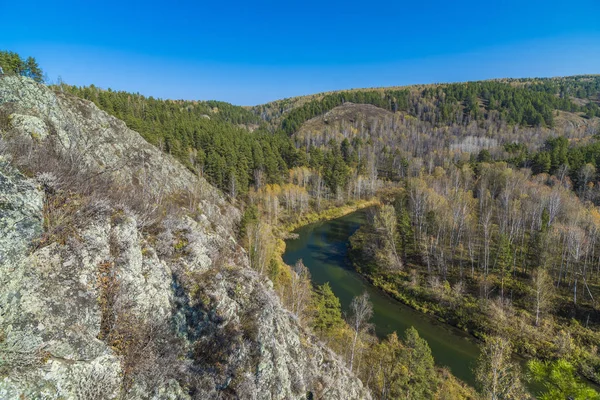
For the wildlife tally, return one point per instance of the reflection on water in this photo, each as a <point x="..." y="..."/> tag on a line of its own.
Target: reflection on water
<point x="323" y="248"/>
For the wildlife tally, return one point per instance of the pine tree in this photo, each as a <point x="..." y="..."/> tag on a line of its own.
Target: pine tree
<point x="559" y="379"/>
<point x="420" y="365"/>
<point x="328" y="311"/>
<point x="32" y="70"/>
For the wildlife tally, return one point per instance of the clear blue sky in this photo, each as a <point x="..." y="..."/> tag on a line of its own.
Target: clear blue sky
<point x="255" y="51"/>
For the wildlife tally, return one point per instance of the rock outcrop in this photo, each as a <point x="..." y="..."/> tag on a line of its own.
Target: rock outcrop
<point x="103" y="297"/>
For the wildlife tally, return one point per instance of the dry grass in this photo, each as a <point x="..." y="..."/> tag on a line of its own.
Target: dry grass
<point x="74" y="195"/>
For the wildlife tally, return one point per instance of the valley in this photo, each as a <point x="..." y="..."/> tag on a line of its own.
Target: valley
<point x="166" y="225"/>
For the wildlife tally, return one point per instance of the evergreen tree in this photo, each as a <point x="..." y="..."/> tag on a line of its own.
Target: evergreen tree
<point x="559" y="379"/>
<point x="503" y="260"/>
<point x="328" y="311"/>
<point x="542" y="162"/>
<point x="422" y="377"/>
<point x="32" y="70"/>
<point x="12" y="63"/>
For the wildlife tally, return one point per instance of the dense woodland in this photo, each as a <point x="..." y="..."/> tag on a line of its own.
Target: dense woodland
<point x="435" y="126"/>
<point x="523" y="102"/>
<point x="489" y="217"/>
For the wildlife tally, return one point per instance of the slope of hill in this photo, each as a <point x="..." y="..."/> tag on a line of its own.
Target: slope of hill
<point x="120" y="275"/>
<point x="517" y="101"/>
<point x="339" y="123"/>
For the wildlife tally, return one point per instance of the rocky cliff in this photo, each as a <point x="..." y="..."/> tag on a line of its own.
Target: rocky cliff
<point x="120" y="275"/>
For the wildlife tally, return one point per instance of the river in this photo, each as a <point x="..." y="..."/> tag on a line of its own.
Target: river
<point x="323" y="246"/>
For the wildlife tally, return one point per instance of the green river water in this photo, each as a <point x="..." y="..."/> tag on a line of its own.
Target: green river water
<point x="323" y="248"/>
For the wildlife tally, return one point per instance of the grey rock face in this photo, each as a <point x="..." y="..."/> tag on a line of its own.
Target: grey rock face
<point x="100" y="142"/>
<point x="109" y="310"/>
<point x="20" y="213"/>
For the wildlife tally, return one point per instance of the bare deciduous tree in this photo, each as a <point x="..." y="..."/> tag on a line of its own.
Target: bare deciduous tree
<point x="497" y="374"/>
<point x="542" y="290"/>
<point x="386" y="223"/>
<point x="259" y="245"/>
<point x="300" y="289"/>
<point x="361" y="312"/>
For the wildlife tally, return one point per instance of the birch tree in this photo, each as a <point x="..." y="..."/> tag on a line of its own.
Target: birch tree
<point x="361" y="312"/>
<point x="542" y="292"/>
<point x="300" y="289"/>
<point x="386" y="224"/>
<point x="497" y="375"/>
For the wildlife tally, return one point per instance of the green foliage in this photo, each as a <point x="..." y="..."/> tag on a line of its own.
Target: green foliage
<point x="542" y="162"/>
<point x="328" y="311"/>
<point x="536" y="249"/>
<point x="558" y="152"/>
<point x="560" y="381"/>
<point x="518" y="153"/>
<point x="249" y="217"/>
<point x="204" y="136"/>
<point x="392" y="100"/>
<point x="390" y="379"/>
<point x="503" y="258"/>
<point x="516" y="104"/>
<point x="592" y="110"/>
<point x="535" y="314"/>
<point x="335" y="172"/>
<point x="484" y="156"/>
<point x="12" y="63"/>
<point x="422" y="378"/>
<point x="403" y="369"/>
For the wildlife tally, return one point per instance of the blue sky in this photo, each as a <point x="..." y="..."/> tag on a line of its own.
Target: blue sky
<point x="256" y="51"/>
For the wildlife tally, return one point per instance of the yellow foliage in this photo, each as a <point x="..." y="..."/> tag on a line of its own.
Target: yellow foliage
<point x="595" y="216"/>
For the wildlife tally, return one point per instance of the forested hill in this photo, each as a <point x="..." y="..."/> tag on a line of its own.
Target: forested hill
<point x="235" y="147"/>
<point x="217" y="139"/>
<point x="526" y="102"/>
<point x="143" y="108"/>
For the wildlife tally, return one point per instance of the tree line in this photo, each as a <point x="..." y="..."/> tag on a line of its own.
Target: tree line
<point x="346" y="160"/>
<point x="245" y="163"/>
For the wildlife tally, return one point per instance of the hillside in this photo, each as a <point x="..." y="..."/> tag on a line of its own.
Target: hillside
<point x="120" y="274"/>
<point x="162" y="249"/>
<point x="576" y="94"/>
<point x="461" y="118"/>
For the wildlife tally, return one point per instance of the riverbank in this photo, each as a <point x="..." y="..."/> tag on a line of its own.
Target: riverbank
<point x="323" y="249"/>
<point x="323" y="245"/>
<point x="458" y="304"/>
<point x="279" y="272"/>
<point x="285" y="230"/>
<point x="475" y="320"/>
<point x="328" y="214"/>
